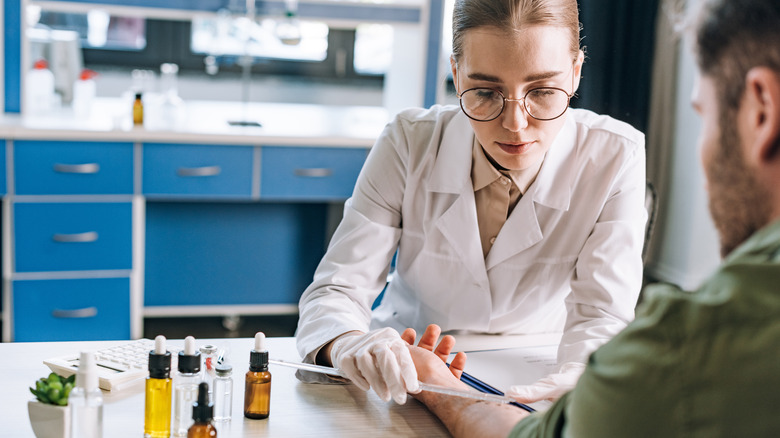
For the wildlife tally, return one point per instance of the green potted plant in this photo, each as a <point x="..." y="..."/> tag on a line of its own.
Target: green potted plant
<point x="49" y="412"/>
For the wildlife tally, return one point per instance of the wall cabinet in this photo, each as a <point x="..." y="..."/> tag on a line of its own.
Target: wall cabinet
<point x="101" y="234"/>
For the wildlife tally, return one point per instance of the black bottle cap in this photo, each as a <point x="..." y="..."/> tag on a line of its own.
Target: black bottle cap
<point x="138" y="95"/>
<point x="160" y="365"/>
<point x="202" y="410"/>
<point x="189" y="363"/>
<point x="258" y="361"/>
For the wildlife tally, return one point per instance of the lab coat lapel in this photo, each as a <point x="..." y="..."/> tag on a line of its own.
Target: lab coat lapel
<point x="552" y="189"/>
<point x="452" y="196"/>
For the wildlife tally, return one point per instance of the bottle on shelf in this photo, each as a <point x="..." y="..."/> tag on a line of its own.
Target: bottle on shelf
<point x="157" y="408"/>
<point x="84" y="91"/>
<point x="202" y="415"/>
<point x="257" y="386"/>
<point x="86" y="400"/>
<point x="39" y="89"/>
<point x="138" y="109"/>
<point x="185" y="387"/>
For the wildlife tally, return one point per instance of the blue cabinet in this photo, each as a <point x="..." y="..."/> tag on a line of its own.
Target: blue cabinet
<point x="309" y="174"/>
<point x="197" y="171"/>
<point x="65" y="168"/>
<point x="71" y="309"/>
<point x="72" y="236"/>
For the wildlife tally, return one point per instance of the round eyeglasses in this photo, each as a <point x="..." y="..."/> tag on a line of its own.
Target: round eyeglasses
<point x="486" y="104"/>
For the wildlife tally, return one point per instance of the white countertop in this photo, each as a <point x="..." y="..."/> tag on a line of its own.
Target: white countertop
<point x="207" y="122"/>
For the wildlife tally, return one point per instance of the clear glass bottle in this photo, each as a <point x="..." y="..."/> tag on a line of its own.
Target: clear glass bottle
<point x="185" y="387"/>
<point x="86" y="400"/>
<point x="209" y="357"/>
<point x="223" y="393"/>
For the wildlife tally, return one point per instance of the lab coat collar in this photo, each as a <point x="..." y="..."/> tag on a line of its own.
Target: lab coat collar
<point x="452" y="170"/>
<point x="553" y="185"/>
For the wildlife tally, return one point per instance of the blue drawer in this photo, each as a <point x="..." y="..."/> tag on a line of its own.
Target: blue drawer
<point x="65" y="167"/>
<point x="71" y="310"/>
<point x="309" y="173"/>
<point x="197" y="171"/>
<point x="72" y="236"/>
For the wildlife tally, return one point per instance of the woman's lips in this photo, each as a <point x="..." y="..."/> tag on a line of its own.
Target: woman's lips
<point x="515" y="148"/>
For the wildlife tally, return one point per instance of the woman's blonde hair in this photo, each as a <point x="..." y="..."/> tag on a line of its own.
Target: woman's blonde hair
<point x="512" y="16"/>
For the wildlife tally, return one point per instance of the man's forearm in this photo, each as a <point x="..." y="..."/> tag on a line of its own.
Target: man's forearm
<point x="469" y="418"/>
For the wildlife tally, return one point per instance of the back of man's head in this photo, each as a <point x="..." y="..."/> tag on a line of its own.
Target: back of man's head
<point x="733" y="36"/>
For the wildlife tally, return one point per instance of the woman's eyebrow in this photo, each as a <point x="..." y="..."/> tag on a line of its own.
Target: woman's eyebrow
<point x="533" y="77"/>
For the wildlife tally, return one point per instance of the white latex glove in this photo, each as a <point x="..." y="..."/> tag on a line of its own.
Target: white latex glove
<point x="551" y="387"/>
<point x="379" y="359"/>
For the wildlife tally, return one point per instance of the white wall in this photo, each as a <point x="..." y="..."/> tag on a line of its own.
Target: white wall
<point x="686" y="243"/>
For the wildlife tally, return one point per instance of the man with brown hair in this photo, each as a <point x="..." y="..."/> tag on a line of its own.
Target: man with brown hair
<point x="705" y="363"/>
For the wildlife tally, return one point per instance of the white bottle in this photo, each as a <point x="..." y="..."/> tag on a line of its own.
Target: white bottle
<point x="86" y="400"/>
<point x="185" y="387"/>
<point x="84" y="90"/>
<point x="39" y="89"/>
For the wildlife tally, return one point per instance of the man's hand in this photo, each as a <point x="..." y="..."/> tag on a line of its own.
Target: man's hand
<point x="379" y="359"/>
<point x="463" y="417"/>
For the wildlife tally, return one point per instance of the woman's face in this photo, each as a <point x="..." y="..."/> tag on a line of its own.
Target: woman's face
<point x="513" y="63"/>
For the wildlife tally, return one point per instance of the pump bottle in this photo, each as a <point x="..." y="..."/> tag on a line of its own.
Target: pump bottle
<point x="257" y="386"/>
<point x="185" y="387"/>
<point x="202" y="414"/>
<point x="86" y="400"/>
<point x="157" y="409"/>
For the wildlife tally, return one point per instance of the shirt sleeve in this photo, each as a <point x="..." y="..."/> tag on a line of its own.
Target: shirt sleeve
<point x="608" y="272"/>
<point x="630" y="386"/>
<point x="354" y="269"/>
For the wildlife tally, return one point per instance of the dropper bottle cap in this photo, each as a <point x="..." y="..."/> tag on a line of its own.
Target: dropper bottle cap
<point x="202" y="410"/>
<point x="86" y="376"/>
<point x="159" y="360"/>
<point x="258" y="358"/>
<point x="189" y="358"/>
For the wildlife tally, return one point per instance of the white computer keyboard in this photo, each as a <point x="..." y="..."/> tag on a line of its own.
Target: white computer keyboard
<point x="118" y="367"/>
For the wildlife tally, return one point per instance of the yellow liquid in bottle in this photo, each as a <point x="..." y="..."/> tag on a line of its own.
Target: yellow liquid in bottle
<point x="157" y="411"/>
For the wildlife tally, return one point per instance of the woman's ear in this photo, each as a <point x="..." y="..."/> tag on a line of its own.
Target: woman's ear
<point x="578" y="70"/>
<point x="454" y="67"/>
<point x="760" y="118"/>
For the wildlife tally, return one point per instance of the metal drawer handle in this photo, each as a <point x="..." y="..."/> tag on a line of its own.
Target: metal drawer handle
<point x="314" y="172"/>
<point x="199" y="171"/>
<point x="89" y="236"/>
<point x="77" y="168"/>
<point x="86" y="312"/>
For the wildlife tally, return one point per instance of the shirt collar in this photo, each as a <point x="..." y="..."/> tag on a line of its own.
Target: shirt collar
<point x="484" y="172"/>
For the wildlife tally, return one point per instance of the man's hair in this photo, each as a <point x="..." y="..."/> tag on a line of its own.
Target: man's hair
<point x="733" y="36"/>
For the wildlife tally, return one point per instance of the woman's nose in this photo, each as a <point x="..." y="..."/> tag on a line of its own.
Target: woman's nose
<point x="515" y="116"/>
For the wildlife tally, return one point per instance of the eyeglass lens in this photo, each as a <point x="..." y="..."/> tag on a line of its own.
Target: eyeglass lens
<point x="541" y="103"/>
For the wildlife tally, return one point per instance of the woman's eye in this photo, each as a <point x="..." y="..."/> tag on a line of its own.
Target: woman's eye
<point x="485" y="93"/>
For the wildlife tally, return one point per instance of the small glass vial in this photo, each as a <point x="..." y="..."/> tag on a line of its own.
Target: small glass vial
<point x="223" y="392"/>
<point x="138" y="110"/>
<point x="257" y="384"/>
<point x="185" y="387"/>
<point x="209" y="356"/>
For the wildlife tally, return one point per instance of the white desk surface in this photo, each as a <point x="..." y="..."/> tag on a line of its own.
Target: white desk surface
<point x="297" y="409"/>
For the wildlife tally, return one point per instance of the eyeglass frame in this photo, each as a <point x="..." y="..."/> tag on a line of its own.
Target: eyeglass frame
<point x="505" y="99"/>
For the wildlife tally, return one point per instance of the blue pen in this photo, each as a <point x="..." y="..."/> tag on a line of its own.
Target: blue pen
<point x="481" y="386"/>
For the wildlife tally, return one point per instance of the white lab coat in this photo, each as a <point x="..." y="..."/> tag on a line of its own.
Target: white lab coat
<point x="567" y="259"/>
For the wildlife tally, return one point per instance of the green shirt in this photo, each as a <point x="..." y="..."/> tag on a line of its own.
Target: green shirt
<point x="701" y="364"/>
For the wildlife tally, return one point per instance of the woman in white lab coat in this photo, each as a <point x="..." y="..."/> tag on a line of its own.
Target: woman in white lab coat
<point x="510" y="214"/>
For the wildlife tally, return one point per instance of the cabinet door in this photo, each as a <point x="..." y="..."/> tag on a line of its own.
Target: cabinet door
<point x="197" y="171"/>
<point x="72" y="236"/>
<point x="73" y="168"/>
<point x="71" y="310"/>
<point x="309" y="173"/>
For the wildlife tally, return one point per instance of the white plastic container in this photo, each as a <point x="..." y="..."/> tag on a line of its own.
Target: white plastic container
<point x="84" y="91"/>
<point x="39" y="89"/>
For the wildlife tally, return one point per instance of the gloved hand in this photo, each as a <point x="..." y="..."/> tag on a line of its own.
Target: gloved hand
<point x="378" y="359"/>
<point x="551" y="387"/>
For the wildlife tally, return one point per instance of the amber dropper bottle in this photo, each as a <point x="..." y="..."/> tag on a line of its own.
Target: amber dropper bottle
<point x="257" y="387"/>
<point x="157" y="410"/>
<point x="203" y="414"/>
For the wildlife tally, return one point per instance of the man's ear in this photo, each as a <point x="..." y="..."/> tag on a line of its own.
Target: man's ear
<point x="761" y="104"/>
